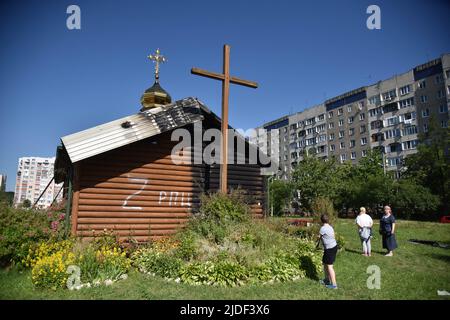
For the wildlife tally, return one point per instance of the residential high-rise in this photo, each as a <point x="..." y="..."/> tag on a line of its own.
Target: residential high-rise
<point x="2" y="182"/>
<point x="33" y="176"/>
<point x="387" y="115"/>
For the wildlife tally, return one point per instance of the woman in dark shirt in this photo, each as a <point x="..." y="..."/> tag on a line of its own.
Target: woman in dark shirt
<point x="387" y="230"/>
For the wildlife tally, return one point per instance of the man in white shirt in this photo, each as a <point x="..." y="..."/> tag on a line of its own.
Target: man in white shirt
<point x="365" y="223"/>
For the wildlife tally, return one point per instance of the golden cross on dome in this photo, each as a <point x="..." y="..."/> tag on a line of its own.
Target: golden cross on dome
<point x="157" y="58"/>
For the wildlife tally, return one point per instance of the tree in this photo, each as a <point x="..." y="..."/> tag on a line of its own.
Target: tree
<point x="280" y="195"/>
<point x="26" y="203"/>
<point x="315" y="177"/>
<point x="430" y="166"/>
<point x="411" y="199"/>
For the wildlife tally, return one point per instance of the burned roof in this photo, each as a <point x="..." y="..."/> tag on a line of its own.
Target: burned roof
<point x="136" y="127"/>
<point x="133" y="128"/>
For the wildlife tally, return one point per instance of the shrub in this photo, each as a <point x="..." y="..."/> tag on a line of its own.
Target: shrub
<point x="187" y="246"/>
<point x="323" y="205"/>
<point x="310" y="259"/>
<point x="224" y="208"/>
<point x="45" y="249"/>
<point x="222" y="273"/>
<point x="112" y="262"/>
<point x="50" y="271"/>
<point x="19" y="229"/>
<point x="149" y="260"/>
<point x="49" y="262"/>
<point x="340" y="241"/>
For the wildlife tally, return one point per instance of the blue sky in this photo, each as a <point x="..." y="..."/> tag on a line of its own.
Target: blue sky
<point x="55" y="81"/>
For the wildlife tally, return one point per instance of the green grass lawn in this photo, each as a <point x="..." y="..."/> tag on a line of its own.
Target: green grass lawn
<point x="415" y="272"/>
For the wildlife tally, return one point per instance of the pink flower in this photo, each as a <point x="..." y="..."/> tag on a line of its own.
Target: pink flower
<point x="61" y="216"/>
<point x="55" y="225"/>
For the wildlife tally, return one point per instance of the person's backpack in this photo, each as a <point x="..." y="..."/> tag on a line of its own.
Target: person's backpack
<point x="365" y="233"/>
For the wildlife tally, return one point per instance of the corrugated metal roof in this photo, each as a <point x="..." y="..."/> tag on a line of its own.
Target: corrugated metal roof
<point x="115" y="134"/>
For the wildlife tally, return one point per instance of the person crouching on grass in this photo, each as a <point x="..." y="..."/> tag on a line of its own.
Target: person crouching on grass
<point x="326" y="233"/>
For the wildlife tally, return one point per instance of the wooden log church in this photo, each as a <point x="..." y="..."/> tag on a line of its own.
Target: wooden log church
<point x="121" y="175"/>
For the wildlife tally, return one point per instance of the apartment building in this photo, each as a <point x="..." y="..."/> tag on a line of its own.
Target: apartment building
<point x="387" y="115"/>
<point x="33" y="176"/>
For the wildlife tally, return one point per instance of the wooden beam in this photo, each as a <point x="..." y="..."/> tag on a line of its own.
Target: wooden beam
<point x="218" y="76"/>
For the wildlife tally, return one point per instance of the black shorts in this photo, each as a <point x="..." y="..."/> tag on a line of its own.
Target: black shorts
<point x="329" y="255"/>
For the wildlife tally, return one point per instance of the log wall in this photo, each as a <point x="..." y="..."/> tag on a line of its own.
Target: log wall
<point x="138" y="192"/>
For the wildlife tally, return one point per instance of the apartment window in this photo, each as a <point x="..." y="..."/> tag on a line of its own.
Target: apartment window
<point x="330" y="114"/>
<point x="310" y="141"/>
<point x="340" y="111"/>
<point x="376" y="111"/>
<point x="320" y="128"/>
<point x="405" y="90"/>
<point x="362" y="129"/>
<point x="423" y="98"/>
<point x="362" y="116"/>
<point x="444" y="123"/>
<point x="425" y="113"/>
<point x="392" y="133"/>
<point x="321" y="117"/>
<point x="363" y="141"/>
<point x="422" y="84"/>
<point x="310" y="131"/>
<point x="322" y="138"/>
<point x="364" y="153"/>
<point x="342" y="145"/>
<point x="349" y="109"/>
<point x="443" y="108"/>
<point x="374" y="99"/>
<point x="310" y="121"/>
<point x="332" y="147"/>
<point x="300" y="124"/>
<point x="341" y="122"/>
<point x="447" y="74"/>
<point x="439" y="78"/>
<point x="331" y="125"/>
<point x="392" y="121"/>
<point x="408" y="117"/>
<point x="441" y="94"/>
<point x="350" y="120"/>
<point x="353" y="155"/>
<point x="394" y="161"/>
<point x="331" y="137"/>
<point x="341" y="134"/>
<point x="351" y="131"/>
<point x="408" y="145"/>
<point x="406" y="102"/>
<point x="425" y="127"/>
<point x="409" y="130"/>
<point x="343" y="157"/>
<point x="389" y="95"/>
<point x="360" y="105"/>
<point x="352" y="143"/>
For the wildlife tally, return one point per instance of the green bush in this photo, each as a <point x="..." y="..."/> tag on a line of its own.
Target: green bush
<point x="323" y="205"/>
<point x="310" y="258"/>
<point x="162" y="264"/>
<point x="19" y="229"/>
<point x="187" y="248"/>
<point x="340" y="241"/>
<point x="49" y="261"/>
<point x="224" y="208"/>
<point x="222" y="273"/>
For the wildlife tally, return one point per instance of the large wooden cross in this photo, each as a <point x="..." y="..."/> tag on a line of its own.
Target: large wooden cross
<point x="226" y="79"/>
